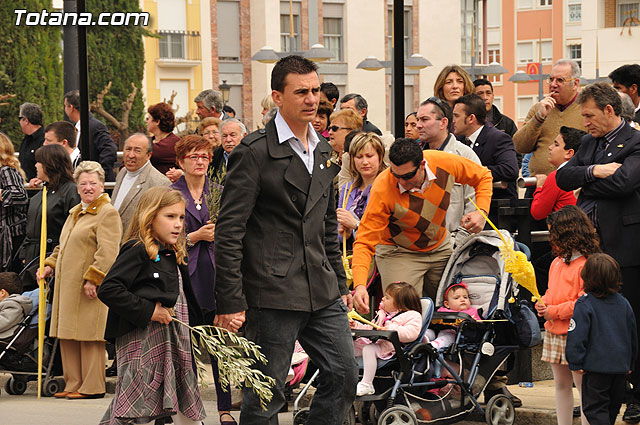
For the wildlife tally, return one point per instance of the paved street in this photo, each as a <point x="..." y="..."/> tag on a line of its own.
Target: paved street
<point x="26" y="409"/>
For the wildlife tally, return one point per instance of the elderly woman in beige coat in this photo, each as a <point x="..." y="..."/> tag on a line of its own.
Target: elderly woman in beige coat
<point x="89" y="245"/>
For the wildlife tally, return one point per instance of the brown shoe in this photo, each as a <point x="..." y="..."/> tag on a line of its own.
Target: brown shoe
<point x="79" y="396"/>
<point x="61" y="394"/>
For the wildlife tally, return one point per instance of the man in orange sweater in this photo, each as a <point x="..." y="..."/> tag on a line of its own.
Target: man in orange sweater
<point x="404" y="222"/>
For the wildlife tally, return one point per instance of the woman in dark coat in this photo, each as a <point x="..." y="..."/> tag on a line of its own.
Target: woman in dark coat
<point x="53" y="167"/>
<point x="194" y="155"/>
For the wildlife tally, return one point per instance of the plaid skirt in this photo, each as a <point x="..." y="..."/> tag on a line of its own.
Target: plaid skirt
<point x="553" y="348"/>
<point x="156" y="377"/>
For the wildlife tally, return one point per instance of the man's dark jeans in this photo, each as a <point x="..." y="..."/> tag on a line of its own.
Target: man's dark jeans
<point x="326" y="337"/>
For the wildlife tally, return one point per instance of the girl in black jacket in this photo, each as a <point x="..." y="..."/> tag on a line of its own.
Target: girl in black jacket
<point x="147" y="286"/>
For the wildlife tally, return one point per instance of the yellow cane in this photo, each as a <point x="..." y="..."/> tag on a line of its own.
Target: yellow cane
<point x="42" y="302"/>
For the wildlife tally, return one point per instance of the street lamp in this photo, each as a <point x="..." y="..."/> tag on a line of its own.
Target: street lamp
<point x="371" y="63"/>
<point x="226" y="90"/>
<point x="417" y="61"/>
<point x="520" y="77"/>
<point x="266" y="55"/>
<point x="494" y="69"/>
<point x="318" y="53"/>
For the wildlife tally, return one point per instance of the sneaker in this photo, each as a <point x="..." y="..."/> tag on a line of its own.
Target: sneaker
<point x="631" y="414"/>
<point x="364" y="388"/>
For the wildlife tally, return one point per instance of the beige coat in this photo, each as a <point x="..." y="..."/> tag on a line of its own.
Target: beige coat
<point x="89" y="244"/>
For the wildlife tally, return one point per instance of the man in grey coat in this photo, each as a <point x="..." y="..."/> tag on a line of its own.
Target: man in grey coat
<point x="277" y="254"/>
<point x="138" y="176"/>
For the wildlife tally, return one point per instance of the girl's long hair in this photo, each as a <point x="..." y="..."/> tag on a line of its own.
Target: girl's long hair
<point x="405" y="297"/>
<point x="7" y="155"/>
<point x="570" y="230"/>
<point x="140" y="228"/>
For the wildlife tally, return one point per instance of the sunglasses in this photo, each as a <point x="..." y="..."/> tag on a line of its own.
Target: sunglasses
<point x="559" y="80"/>
<point x="407" y="176"/>
<point x="335" y="128"/>
<point x="438" y="102"/>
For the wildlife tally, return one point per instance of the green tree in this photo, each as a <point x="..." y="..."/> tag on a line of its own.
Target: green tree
<point x="116" y="54"/>
<point x="31" y="66"/>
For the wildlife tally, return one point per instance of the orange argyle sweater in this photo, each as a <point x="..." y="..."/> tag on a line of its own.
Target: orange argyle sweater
<point x="415" y="220"/>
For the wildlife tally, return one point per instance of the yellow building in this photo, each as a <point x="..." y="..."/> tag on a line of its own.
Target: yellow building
<point x="175" y="60"/>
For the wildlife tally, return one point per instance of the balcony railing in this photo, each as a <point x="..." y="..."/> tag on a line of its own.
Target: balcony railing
<point x="179" y="45"/>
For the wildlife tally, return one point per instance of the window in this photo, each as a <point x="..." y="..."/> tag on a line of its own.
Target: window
<point x="172" y="44"/>
<point x="285" y="33"/>
<point x="493" y="55"/>
<point x="627" y="10"/>
<point x="407" y="33"/>
<point x="228" y="30"/>
<point x="332" y="30"/>
<point x="525" y="4"/>
<point x="493" y="13"/>
<point x="545" y="2"/>
<point x="525" y="52"/>
<point x="575" y="12"/>
<point x="524" y="105"/>
<point x="547" y="51"/>
<point x="469" y="20"/>
<point x="575" y="53"/>
<point x="497" y="101"/>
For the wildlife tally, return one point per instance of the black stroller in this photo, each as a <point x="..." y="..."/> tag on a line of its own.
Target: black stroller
<point x="19" y="355"/>
<point x="426" y="385"/>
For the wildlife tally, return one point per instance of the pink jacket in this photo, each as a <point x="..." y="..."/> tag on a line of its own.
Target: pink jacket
<point x="470" y="311"/>
<point x="408" y="325"/>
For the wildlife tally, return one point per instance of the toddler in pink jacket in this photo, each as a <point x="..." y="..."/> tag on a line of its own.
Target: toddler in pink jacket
<point x="400" y="311"/>
<point x="456" y="300"/>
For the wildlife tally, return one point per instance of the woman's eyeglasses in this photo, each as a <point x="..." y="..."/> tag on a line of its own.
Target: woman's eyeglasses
<point x="335" y="128"/>
<point x="196" y="157"/>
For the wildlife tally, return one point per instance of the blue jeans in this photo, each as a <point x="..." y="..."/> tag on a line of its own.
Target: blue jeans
<point x="326" y="337"/>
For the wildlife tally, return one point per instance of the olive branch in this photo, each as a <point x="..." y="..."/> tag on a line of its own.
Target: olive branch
<point x="235" y="356"/>
<point x="212" y="199"/>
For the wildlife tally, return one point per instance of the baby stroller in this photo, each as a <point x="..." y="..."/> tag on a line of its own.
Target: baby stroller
<point x="19" y="355"/>
<point x="443" y="386"/>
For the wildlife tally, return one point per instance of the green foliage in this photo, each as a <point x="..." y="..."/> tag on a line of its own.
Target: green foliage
<point x="236" y="357"/>
<point x="116" y="54"/>
<point x="31" y="66"/>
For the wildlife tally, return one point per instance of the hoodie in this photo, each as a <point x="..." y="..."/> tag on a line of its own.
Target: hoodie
<point x="13" y="310"/>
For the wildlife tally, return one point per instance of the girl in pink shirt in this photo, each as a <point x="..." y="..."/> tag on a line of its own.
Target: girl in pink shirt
<point x="400" y="311"/>
<point x="456" y="300"/>
<point x="573" y="238"/>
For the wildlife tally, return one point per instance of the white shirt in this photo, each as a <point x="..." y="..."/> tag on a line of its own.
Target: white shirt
<point x="75" y="154"/>
<point x="474" y="136"/>
<point x="78" y="133"/>
<point x="127" y="183"/>
<point x="285" y="134"/>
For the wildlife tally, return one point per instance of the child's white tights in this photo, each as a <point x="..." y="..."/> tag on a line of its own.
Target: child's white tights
<point x="563" y="377"/>
<point x="369" y="363"/>
<point x="445" y="338"/>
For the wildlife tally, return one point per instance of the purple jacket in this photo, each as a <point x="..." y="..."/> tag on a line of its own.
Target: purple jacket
<point x="201" y="259"/>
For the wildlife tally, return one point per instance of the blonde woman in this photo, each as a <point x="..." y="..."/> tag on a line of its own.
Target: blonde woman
<point x="452" y="83"/>
<point x="13" y="205"/>
<point x="209" y="128"/>
<point x="366" y="153"/>
<point x="342" y="122"/>
<point x="89" y="244"/>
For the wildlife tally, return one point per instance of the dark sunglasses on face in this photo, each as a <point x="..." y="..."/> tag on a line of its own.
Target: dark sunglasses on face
<point x="407" y="176"/>
<point x="335" y="128"/>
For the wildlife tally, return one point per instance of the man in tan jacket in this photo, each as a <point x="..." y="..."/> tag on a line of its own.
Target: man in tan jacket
<point x="543" y="122"/>
<point x="138" y="176"/>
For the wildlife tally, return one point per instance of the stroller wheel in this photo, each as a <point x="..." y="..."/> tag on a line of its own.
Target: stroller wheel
<point x="500" y="411"/>
<point x="398" y="415"/>
<point x="50" y="387"/>
<point x="15" y="386"/>
<point x="300" y="418"/>
<point x="350" y="419"/>
<point x="366" y="412"/>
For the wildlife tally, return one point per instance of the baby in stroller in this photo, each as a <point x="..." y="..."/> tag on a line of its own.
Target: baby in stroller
<point x="13" y="306"/>
<point x="456" y="300"/>
<point x="400" y="310"/>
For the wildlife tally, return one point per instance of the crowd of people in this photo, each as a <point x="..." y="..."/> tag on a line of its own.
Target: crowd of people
<point x="319" y="179"/>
